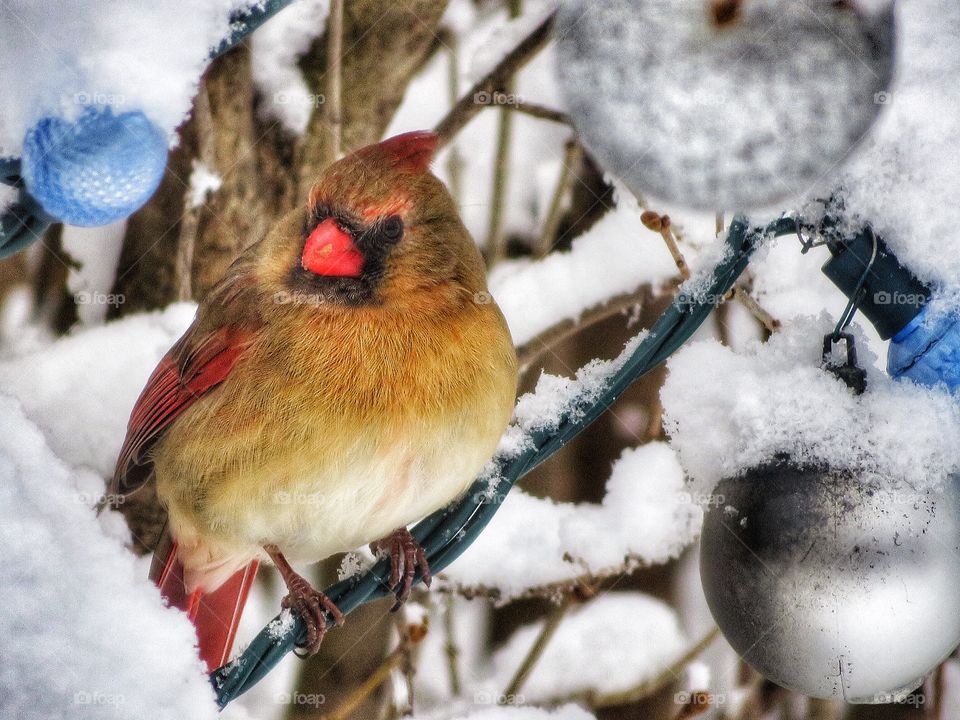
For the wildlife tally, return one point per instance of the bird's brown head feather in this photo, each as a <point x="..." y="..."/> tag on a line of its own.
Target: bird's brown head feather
<point x="379" y="229"/>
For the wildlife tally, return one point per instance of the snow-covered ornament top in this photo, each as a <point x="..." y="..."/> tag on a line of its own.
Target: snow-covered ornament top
<point x="724" y="104"/>
<point x="97" y="169"/>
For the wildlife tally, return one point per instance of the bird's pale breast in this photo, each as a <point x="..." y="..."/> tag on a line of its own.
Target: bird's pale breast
<point x="326" y="440"/>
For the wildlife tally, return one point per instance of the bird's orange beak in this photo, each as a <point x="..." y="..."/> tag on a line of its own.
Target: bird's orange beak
<point x="330" y="250"/>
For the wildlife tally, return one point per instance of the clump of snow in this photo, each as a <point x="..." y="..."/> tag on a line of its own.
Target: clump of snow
<point x="282" y="625"/>
<point x="615" y="256"/>
<point x="276" y="48"/>
<point x="83" y="633"/>
<point x="640" y="637"/>
<point x="8" y="194"/>
<point x="140" y="55"/>
<point x="788" y="283"/>
<point x="555" y="399"/>
<point x="354" y="563"/>
<point x="203" y="183"/>
<point x="80" y="389"/>
<point x="904" y="178"/>
<point x="646" y="518"/>
<point x="653" y="519"/>
<point x="697" y="676"/>
<point x="727" y="412"/>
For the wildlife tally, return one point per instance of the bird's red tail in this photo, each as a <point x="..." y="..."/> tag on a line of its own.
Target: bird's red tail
<point x="215" y="615"/>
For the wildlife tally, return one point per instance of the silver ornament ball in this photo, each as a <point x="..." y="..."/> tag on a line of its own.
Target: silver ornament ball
<point x="834" y="584"/>
<point x="723" y="104"/>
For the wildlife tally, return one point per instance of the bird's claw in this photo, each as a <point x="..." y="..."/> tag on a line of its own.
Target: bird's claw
<point x="310" y="604"/>
<point x="406" y="555"/>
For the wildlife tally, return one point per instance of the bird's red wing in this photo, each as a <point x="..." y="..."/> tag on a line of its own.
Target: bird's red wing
<point x="193" y="367"/>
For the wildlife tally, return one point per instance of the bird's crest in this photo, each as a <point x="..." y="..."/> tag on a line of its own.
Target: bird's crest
<point x="410" y="152"/>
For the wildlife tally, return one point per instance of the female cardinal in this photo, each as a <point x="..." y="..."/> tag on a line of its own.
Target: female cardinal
<point x="348" y="376"/>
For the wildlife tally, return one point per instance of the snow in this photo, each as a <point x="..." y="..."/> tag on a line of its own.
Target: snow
<point x="83" y="633"/>
<point x="567" y="712"/>
<point x="276" y="47"/>
<point x="645" y="518"/>
<point x="8" y="195"/>
<point x="904" y="178"/>
<point x="556" y="398"/>
<point x="80" y="389"/>
<point x="727" y="412"/>
<point x="97" y="250"/>
<point x="639" y="635"/>
<point x="787" y="283"/>
<point x="203" y="183"/>
<point x="76" y="59"/>
<point x="615" y="256"/>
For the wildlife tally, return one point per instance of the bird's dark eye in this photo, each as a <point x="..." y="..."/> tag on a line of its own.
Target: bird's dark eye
<point x="393" y="228"/>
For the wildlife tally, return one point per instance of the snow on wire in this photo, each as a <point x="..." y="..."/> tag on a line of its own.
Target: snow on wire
<point x="529" y="441"/>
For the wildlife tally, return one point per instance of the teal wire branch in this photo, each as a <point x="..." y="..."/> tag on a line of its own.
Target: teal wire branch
<point x="446" y="534"/>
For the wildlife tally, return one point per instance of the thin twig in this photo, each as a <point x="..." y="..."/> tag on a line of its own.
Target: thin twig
<point x="662" y="225"/>
<point x="496" y="247"/>
<point x="512" y="693"/>
<point x="366" y="688"/>
<point x="578" y="585"/>
<point x="333" y="102"/>
<point x="655" y="424"/>
<point x="530" y="351"/>
<point x="570" y="165"/>
<point x="468" y="106"/>
<point x="451" y="649"/>
<point x="455" y="161"/>
<point x="698" y="703"/>
<point x="405" y="648"/>
<point x="413" y="635"/>
<point x="645" y="689"/>
<point x="541" y="112"/>
<point x="769" y="322"/>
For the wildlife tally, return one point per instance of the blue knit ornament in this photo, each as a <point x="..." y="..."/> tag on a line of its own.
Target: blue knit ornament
<point x="96" y="169"/>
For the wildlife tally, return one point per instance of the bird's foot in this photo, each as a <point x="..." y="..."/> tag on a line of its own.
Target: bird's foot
<point x="308" y="602"/>
<point x="406" y="555"/>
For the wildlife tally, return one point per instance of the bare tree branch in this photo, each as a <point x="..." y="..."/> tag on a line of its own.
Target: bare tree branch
<point x="494" y="81"/>
<point x="541" y="112"/>
<point x="533" y="656"/>
<point x="333" y="105"/>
